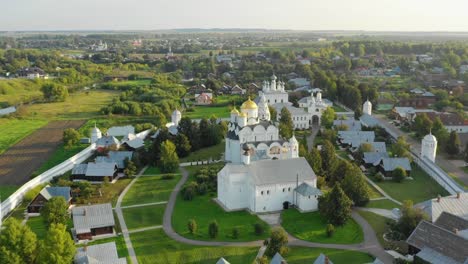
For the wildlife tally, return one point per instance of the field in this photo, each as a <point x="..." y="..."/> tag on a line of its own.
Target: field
<point x="311" y="227"/>
<point x="144" y="216"/>
<point x="150" y="189"/>
<point x="170" y="251"/>
<point x="14" y="130"/>
<point x="17" y="91"/>
<point x="208" y="112"/>
<point x="214" y="152"/>
<point x="19" y="162"/>
<point x="204" y="210"/>
<point x="421" y="188"/>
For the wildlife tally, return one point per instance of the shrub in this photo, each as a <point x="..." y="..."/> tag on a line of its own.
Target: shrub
<point x="399" y="174"/>
<point x="188" y="192"/>
<point x="330" y="230"/>
<point x="258" y="228"/>
<point x="235" y="233"/>
<point x="202" y="189"/>
<point x="168" y="177"/>
<point x="213" y="229"/>
<point x="192" y="226"/>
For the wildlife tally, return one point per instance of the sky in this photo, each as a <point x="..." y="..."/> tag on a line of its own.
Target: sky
<point x="370" y="15"/>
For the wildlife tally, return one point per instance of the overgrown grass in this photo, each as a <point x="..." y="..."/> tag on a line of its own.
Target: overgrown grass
<point x="312" y="227"/>
<point x="214" y="152"/>
<point x="18" y="91"/>
<point x="38" y="226"/>
<point x="108" y="193"/>
<point x="144" y="216"/>
<point x="14" y="130"/>
<point x="149" y="189"/>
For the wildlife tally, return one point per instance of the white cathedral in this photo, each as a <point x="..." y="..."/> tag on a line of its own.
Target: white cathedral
<point x="264" y="173"/>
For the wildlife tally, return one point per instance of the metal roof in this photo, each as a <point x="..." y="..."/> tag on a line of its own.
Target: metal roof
<point x="293" y="110"/>
<point x="222" y="261"/>
<point x="374" y="158"/>
<point x="278" y="259"/>
<point x="117" y="157"/>
<point x="79" y="169"/>
<point x="99" y="254"/>
<point x="353" y="125"/>
<point x="390" y="164"/>
<point x="92" y="216"/>
<point x="451" y="204"/>
<point x="49" y="192"/>
<point x="101" y="169"/>
<point x="368" y="121"/>
<point x="322" y="259"/>
<point x="306" y="190"/>
<point x="107" y="141"/>
<point x="121" y="130"/>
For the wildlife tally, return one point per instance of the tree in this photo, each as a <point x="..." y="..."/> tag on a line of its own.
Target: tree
<point x="453" y="144"/>
<point x="335" y="206"/>
<point x="422" y="125"/>
<point x="55" y="211"/>
<point x="182" y="144"/>
<point x="410" y="218"/>
<point x="192" y="226"/>
<point x="54" y="93"/>
<point x="355" y="186"/>
<point x="315" y="160"/>
<point x="213" y="229"/>
<point x="398" y="174"/>
<point x="273" y="113"/>
<point x="18" y="243"/>
<point x="130" y="168"/>
<point x="327" y="117"/>
<point x="286" y="126"/>
<point x="58" y="246"/>
<point x="330" y="230"/>
<point x="70" y="137"/>
<point x="328" y="158"/>
<point x="400" y="148"/>
<point x="278" y="242"/>
<point x="169" y="159"/>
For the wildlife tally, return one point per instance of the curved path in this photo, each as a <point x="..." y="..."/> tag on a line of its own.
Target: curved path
<point x="370" y="245"/>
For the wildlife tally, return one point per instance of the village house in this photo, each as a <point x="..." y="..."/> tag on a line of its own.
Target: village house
<point x="116" y="157"/>
<point x="422" y="101"/>
<point x="92" y="220"/>
<point x="354" y="139"/>
<point x="456" y="204"/>
<point x="32" y="73"/>
<point x="350" y="124"/>
<point x="46" y="194"/>
<point x="106" y="142"/>
<point x="237" y="90"/>
<point x="95" y="171"/>
<point x="204" y="99"/>
<point x="452" y="121"/>
<point x="388" y="165"/>
<point x="105" y="253"/>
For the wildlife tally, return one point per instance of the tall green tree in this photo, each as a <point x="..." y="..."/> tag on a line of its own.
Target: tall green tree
<point x="422" y="125"/>
<point x="327" y="117"/>
<point x="70" y="137"/>
<point x="169" y="159"/>
<point x="58" y="246"/>
<point x="54" y="92"/>
<point x="315" y="160"/>
<point x="278" y="242"/>
<point x="18" y="243"/>
<point x="182" y="144"/>
<point x="410" y="218"/>
<point x="273" y="113"/>
<point x="453" y="144"/>
<point x="55" y="211"/>
<point x="328" y="158"/>
<point x="355" y="186"/>
<point x="286" y="126"/>
<point x="335" y="206"/>
<point x="401" y="148"/>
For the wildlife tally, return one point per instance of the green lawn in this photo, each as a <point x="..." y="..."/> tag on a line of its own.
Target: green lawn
<point x="60" y="155"/>
<point x="214" y="152"/>
<point x="139" y="217"/>
<point x="152" y="171"/>
<point x="421" y="188"/>
<point x="378" y="223"/>
<point x="373" y="193"/>
<point x="338" y="108"/>
<point x="38" y="226"/>
<point x="208" y="112"/>
<point x="204" y="210"/>
<point x="300" y="255"/>
<point x="7" y="190"/>
<point x="311" y="227"/>
<point x="155" y="247"/>
<point x="119" y="242"/>
<point x="109" y="193"/>
<point x="383" y="204"/>
<point x="14" y="130"/>
<point x="150" y="189"/>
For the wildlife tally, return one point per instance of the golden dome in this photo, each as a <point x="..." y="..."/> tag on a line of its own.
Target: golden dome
<point x="249" y="104"/>
<point x="243" y="114"/>
<point x="234" y="111"/>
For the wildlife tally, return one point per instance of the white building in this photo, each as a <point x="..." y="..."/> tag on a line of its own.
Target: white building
<point x="367" y="107"/>
<point x="429" y="147"/>
<point x="274" y="91"/>
<point x="95" y="134"/>
<point x="175" y="119"/>
<point x="315" y="106"/>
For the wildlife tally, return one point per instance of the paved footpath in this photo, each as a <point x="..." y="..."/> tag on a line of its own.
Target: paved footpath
<point x="370" y="245"/>
<point x="123" y="225"/>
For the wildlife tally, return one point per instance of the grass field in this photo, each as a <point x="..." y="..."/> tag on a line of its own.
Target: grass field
<point x="60" y="155"/>
<point x="152" y="171"/>
<point x="383" y="204"/>
<point x="14" y="130"/>
<point x="208" y="112"/>
<point x="215" y="152"/>
<point x="373" y="193"/>
<point x="38" y="226"/>
<point x="150" y="189"/>
<point x="145" y="216"/>
<point x="17" y="91"/>
<point x="311" y="227"/>
<point x="154" y="246"/>
<point x="421" y="188"/>
<point x="7" y="190"/>
<point x="79" y="105"/>
<point x="378" y="223"/>
<point x="204" y="210"/>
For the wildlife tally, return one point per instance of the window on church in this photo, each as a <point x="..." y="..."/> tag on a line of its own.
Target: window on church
<point x="289" y="189"/>
<point x="261" y="192"/>
<point x="309" y="196"/>
<point x="284" y="189"/>
<point x="268" y="192"/>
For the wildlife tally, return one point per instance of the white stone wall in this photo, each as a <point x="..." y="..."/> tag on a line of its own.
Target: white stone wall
<point x="233" y="190"/>
<point x="270" y="198"/>
<point x="307" y="203"/>
<point x="458" y="129"/>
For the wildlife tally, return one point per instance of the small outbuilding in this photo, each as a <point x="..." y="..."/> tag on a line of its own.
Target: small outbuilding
<point x="93" y="220"/>
<point x="46" y="194"/>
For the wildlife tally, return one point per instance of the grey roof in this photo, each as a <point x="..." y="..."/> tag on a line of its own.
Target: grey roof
<point x="274" y="171"/>
<point x="451" y="204"/>
<point x="222" y="261"/>
<point x="117" y="157"/>
<point x="390" y="164"/>
<point x="434" y="257"/>
<point x="293" y="110"/>
<point x="136" y="143"/>
<point x="99" y="254"/>
<point x="278" y="259"/>
<point x="374" y="158"/>
<point x="321" y="259"/>
<point x="306" y="190"/>
<point x="451" y="222"/>
<point x="79" y="169"/>
<point x="92" y="216"/>
<point x="121" y="130"/>
<point x="378" y="146"/>
<point x="377" y="261"/>
<point x="107" y="141"/>
<point x="369" y="121"/>
<point x="100" y="169"/>
<point x="353" y="125"/>
<point x="446" y="243"/>
<point x="356" y="138"/>
<point x="49" y="192"/>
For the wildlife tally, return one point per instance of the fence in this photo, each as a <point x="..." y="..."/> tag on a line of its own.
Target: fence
<point x="438" y="175"/>
<point x="15" y="199"/>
